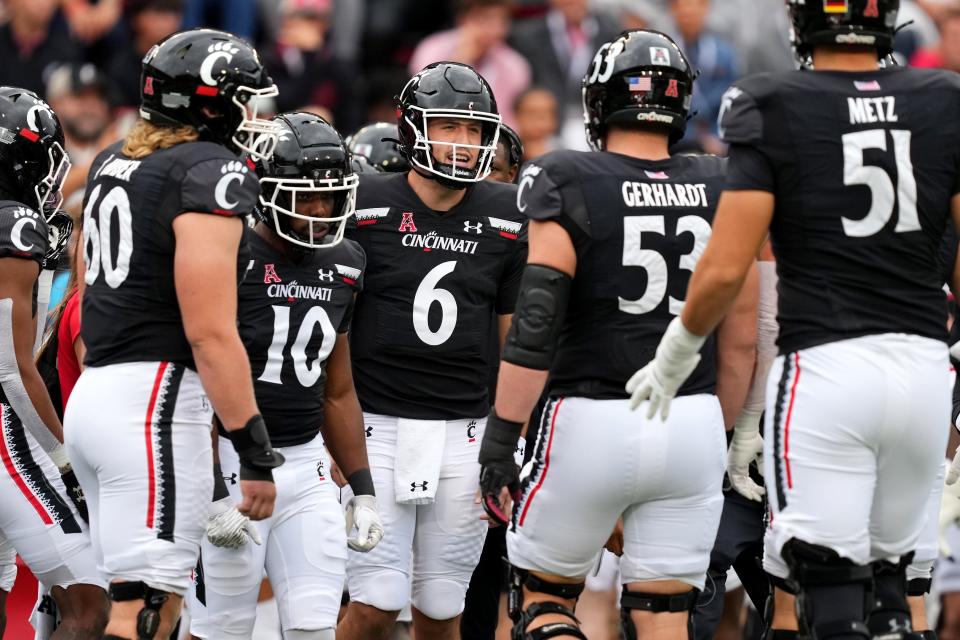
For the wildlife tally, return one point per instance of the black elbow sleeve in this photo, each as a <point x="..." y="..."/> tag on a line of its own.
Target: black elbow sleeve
<point x="538" y="317"/>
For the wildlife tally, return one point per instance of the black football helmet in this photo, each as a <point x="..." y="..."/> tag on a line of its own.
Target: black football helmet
<point x="361" y="165"/>
<point x="377" y="142"/>
<point x="864" y="23"/>
<point x="34" y="161"/>
<point x="640" y="78"/>
<point x="447" y="90"/>
<point x="213" y="81"/>
<point x="512" y="139"/>
<point x="310" y="158"/>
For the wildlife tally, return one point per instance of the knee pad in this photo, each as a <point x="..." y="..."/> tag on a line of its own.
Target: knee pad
<point x="385" y="590"/>
<point x="890" y="612"/>
<point x="832" y="592"/>
<point x="148" y="620"/>
<point x="438" y="598"/>
<point x="315" y="634"/>
<point x="522" y="617"/>
<point x="654" y="603"/>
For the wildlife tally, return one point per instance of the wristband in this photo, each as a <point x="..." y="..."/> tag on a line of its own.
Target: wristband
<point x="59" y="457"/>
<point x="499" y="439"/>
<point x="362" y="483"/>
<point x="252" y="444"/>
<point x="220" y="490"/>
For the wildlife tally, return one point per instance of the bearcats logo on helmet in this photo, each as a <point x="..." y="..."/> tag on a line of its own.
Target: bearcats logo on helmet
<point x="233" y="171"/>
<point x="218" y="51"/>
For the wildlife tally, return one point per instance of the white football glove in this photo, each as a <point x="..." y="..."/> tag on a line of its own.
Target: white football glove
<point x="950" y="502"/>
<point x="363" y="514"/>
<point x="228" y="528"/>
<point x="745" y="447"/>
<point x="677" y="356"/>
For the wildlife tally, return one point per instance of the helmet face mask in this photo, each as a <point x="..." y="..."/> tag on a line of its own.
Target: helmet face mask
<point x="451" y="91"/>
<point x="322" y="232"/>
<point x="254" y="136"/>
<point x="48" y="190"/>
<point x="310" y="163"/>
<point x="425" y="150"/>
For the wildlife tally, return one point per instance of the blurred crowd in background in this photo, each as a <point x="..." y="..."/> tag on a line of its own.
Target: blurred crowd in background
<point x="347" y="59"/>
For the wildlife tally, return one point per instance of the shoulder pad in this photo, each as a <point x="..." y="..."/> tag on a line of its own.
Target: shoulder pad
<point x="23" y="232"/>
<point x="740" y="120"/>
<point x="216" y="181"/>
<point x="539" y="194"/>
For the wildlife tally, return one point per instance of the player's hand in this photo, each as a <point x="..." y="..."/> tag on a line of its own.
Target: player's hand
<point x="337" y="475"/>
<point x="746" y="447"/>
<point x="228" y="528"/>
<point x="499" y="489"/>
<point x="950" y="502"/>
<point x="677" y="356"/>
<point x="363" y="514"/>
<point x="75" y="491"/>
<point x="615" y="542"/>
<point x="258" y="498"/>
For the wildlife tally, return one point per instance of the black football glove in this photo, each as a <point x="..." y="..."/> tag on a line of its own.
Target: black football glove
<point x="497" y="466"/>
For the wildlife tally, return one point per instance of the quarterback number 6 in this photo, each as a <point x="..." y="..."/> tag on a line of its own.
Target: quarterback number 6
<point x="602" y="67"/>
<point x="96" y="236"/>
<point x="427" y="294"/>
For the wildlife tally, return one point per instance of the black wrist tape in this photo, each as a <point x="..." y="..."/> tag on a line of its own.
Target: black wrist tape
<point x="362" y="483"/>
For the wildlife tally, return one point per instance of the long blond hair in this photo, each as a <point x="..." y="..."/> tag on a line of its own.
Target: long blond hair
<point x="145" y="138"/>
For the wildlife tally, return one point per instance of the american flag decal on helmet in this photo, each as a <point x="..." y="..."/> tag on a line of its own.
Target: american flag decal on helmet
<point x="350" y="275"/>
<point x="507" y="228"/>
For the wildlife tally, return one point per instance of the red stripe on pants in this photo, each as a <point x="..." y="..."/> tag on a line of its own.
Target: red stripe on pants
<point x="546" y="462"/>
<point x="148" y="434"/>
<point x="786" y="425"/>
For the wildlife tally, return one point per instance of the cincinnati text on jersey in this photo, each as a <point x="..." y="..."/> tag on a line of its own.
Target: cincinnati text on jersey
<point x="295" y="290"/>
<point x="431" y="241"/>
<point x="666" y="194"/>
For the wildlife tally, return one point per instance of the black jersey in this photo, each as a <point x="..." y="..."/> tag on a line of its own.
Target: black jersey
<point x="639" y="227"/>
<point x="130" y="308"/>
<point x="863" y="167"/>
<point x="23" y="234"/>
<point x="290" y="313"/>
<point x="420" y="339"/>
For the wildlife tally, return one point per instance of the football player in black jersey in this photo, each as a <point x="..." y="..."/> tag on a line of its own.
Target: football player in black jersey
<point x="481" y="608"/>
<point x="294" y="311"/>
<point x="445" y="250"/>
<point x="377" y="143"/>
<point x="615" y="234"/>
<point x="36" y="518"/>
<point x="846" y="167"/>
<point x="163" y="221"/>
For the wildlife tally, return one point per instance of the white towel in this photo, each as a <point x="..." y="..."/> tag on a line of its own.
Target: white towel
<point x="416" y="468"/>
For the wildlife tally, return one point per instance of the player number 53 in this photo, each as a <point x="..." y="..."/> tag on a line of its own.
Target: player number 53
<point x="634" y="255"/>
